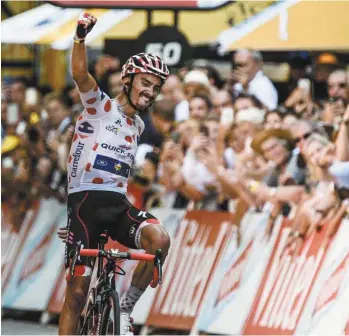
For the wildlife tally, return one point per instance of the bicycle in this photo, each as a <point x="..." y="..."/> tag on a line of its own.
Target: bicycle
<point x="102" y="313"/>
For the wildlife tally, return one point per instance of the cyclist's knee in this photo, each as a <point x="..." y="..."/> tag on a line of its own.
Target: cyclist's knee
<point x="154" y="237"/>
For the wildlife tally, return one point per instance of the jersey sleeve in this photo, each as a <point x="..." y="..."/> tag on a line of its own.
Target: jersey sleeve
<point x="96" y="102"/>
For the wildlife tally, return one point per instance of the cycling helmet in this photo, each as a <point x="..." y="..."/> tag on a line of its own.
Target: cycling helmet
<point x="145" y="63"/>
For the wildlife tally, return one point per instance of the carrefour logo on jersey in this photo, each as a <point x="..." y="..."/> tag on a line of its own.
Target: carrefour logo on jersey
<point x="76" y="158"/>
<point x="118" y="150"/>
<point x="85" y="129"/>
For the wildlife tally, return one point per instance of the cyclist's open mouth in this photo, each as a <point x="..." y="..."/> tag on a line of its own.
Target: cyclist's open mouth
<point x="146" y="99"/>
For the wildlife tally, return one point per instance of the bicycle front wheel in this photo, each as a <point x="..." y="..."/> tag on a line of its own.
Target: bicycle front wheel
<point x="110" y="324"/>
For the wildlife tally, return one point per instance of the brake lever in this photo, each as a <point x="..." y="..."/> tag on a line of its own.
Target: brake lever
<point x="157" y="263"/>
<point x="75" y="258"/>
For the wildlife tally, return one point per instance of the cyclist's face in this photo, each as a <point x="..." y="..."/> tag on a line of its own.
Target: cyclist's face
<point x="144" y="91"/>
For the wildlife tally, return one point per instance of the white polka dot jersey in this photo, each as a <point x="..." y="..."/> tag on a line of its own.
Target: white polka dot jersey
<point x="104" y="145"/>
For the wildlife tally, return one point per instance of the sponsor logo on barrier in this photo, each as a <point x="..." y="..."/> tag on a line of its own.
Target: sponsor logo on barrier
<point x="37" y="256"/>
<point x="286" y="286"/>
<point x="12" y="241"/>
<point x="232" y="278"/>
<point x="329" y="291"/>
<point x="198" y="244"/>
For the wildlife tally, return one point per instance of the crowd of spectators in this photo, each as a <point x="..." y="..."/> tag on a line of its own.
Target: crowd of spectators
<point x="208" y="141"/>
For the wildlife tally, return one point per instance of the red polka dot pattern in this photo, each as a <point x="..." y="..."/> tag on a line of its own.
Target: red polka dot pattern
<point x="88" y="167"/>
<point x="120" y="185"/>
<point x="129" y="121"/>
<point x="91" y="101"/>
<point x="75" y="137"/>
<point x="95" y="146"/>
<point x="128" y="139"/>
<point x="91" y="110"/>
<point x="97" y="180"/>
<point x="69" y="159"/>
<point x="80" y="117"/>
<point x="107" y="106"/>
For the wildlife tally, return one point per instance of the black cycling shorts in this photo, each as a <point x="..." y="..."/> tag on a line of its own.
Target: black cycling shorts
<point x="92" y="212"/>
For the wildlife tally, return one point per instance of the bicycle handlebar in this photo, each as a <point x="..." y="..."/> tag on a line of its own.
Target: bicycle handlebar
<point x="122" y="255"/>
<point x="157" y="259"/>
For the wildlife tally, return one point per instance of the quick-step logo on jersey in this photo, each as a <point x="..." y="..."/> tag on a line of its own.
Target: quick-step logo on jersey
<point x="120" y="152"/>
<point x="76" y="158"/>
<point x="111" y="165"/>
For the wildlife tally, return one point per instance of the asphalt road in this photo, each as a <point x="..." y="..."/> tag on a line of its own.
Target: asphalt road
<point x="15" y="327"/>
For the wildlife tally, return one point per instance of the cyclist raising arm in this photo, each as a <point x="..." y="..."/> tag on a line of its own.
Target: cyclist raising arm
<point x="102" y="153"/>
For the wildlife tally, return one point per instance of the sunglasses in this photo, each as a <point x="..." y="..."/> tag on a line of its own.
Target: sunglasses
<point x="303" y="137"/>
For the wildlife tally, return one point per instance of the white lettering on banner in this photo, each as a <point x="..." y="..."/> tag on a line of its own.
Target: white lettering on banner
<point x="8" y="260"/>
<point x="232" y="278"/>
<point x="191" y="272"/>
<point x="170" y="52"/>
<point x="287" y="286"/>
<point x="330" y="288"/>
<point x="37" y="256"/>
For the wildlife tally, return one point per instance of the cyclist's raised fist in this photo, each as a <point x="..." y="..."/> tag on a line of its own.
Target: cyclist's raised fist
<point x="85" y="24"/>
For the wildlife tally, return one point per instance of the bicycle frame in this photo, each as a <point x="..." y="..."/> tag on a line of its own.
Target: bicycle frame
<point x="106" y="274"/>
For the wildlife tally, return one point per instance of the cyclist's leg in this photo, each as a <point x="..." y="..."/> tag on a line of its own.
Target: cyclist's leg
<point x="79" y="229"/>
<point x="139" y="230"/>
<point x="152" y="237"/>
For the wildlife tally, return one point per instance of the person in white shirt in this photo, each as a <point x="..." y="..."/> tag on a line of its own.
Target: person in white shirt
<point x="249" y="77"/>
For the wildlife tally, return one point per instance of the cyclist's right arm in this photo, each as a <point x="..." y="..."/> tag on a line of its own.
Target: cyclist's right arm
<point x="79" y="67"/>
<point x="83" y="79"/>
<point x="97" y="104"/>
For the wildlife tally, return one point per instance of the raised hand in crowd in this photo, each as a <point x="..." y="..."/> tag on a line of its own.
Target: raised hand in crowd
<point x="240" y="76"/>
<point x="301" y="102"/>
<point x="208" y="155"/>
<point x="333" y="111"/>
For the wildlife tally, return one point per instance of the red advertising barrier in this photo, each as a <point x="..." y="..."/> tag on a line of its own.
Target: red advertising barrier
<point x="196" y="248"/>
<point x="286" y="285"/>
<point x="12" y="240"/>
<point x="268" y="287"/>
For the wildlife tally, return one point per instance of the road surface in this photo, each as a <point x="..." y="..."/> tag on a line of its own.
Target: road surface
<point x="15" y="327"/>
